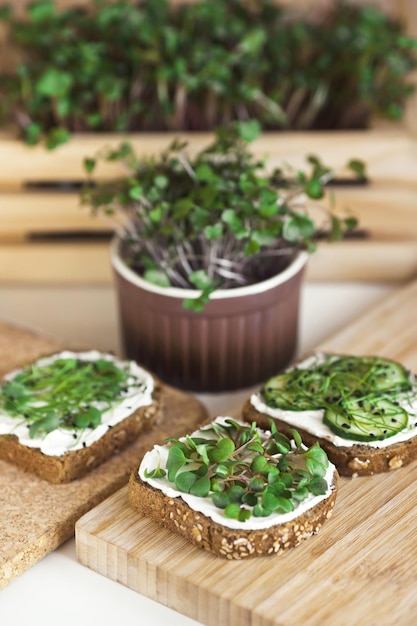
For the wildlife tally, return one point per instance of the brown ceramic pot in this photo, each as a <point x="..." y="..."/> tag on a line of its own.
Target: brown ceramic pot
<point x="242" y="336"/>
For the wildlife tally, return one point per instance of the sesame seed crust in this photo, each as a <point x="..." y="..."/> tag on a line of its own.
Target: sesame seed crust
<point x="356" y="460"/>
<point x="233" y="544"/>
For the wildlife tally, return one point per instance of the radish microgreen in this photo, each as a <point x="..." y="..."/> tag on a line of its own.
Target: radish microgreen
<point x="245" y="471"/>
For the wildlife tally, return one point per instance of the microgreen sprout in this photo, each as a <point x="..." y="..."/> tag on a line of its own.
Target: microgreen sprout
<point x="119" y="66"/>
<point x="215" y="220"/>
<point x="66" y="393"/>
<point x="245" y="471"/>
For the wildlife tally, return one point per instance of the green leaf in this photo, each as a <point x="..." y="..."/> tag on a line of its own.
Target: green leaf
<point x="314" y="189"/>
<point x="213" y="232"/>
<point x="201" y="487"/>
<point x="235" y="493"/>
<point x="33" y="133"/>
<point x="41" y="10"/>
<point x="196" y="304"/>
<point x="136" y="192"/>
<point x="336" y="232"/>
<point x="63" y="106"/>
<point x="256" y="446"/>
<point x="297" y="439"/>
<point x="202" y="450"/>
<point x="357" y="167"/>
<point x="204" y="172"/>
<point x="350" y="223"/>
<point x="244" y="515"/>
<point x="269" y="210"/>
<point x="251" y="247"/>
<point x="156" y="215"/>
<point x="230" y="218"/>
<point x="220" y="499"/>
<point x="158" y="472"/>
<point x="14" y="391"/>
<point x="259" y="464"/>
<point x="262" y="237"/>
<point x="157" y="277"/>
<point x="90" y="418"/>
<point x="318" y="486"/>
<point x="44" y="426"/>
<point x="249" y="131"/>
<point x="5" y="12"/>
<point x="54" y="83"/>
<point x="175" y="461"/>
<point x="182" y="208"/>
<point x="57" y="137"/>
<point x="222" y="451"/>
<point x="298" y="227"/>
<point x="221" y="471"/>
<point x="161" y="181"/>
<point x="256" y="484"/>
<point x="89" y="165"/>
<point x="200" y="279"/>
<point x="316" y="461"/>
<point x="260" y="511"/>
<point x="232" y="510"/>
<point x="277" y="503"/>
<point x="184" y="481"/>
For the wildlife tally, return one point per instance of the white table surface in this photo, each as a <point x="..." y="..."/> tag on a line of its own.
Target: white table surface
<point x="59" y="590"/>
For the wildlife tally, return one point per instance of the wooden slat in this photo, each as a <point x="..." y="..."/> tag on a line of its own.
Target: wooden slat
<point x="385" y="212"/>
<point x="373" y="261"/>
<point x="25" y="213"/>
<point x="390" y="153"/>
<point x="89" y="263"/>
<point x="51" y="263"/>
<point x="360" y="569"/>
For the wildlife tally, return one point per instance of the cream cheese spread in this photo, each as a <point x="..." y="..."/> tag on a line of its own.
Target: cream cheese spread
<point x="62" y="440"/>
<point x="312" y="421"/>
<point x="157" y="457"/>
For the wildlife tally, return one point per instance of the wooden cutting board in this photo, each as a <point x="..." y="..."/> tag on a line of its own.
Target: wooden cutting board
<point x="360" y="569"/>
<point x="36" y="516"/>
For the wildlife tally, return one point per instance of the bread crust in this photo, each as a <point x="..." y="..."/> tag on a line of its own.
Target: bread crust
<point x="233" y="544"/>
<point x="356" y="460"/>
<point x="75" y="464"/>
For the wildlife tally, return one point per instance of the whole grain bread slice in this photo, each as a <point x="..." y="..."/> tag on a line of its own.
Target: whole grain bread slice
<point x="205" y="531"/>
<point x="354" y="460"/>
<point x="177" y="516"/>
<point x="75" y="464"/>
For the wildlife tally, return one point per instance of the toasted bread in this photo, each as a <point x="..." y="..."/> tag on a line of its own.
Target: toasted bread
<point x="384" y="450"/>
<point x="198" y="520"/>
<point x="69" y="452"/>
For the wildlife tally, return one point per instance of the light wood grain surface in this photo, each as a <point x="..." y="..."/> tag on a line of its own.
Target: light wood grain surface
<point x="47" y="237"/>
<point x="390" y="153"/>
<point x="35" y="516"/>
<point x="360" y="569"/>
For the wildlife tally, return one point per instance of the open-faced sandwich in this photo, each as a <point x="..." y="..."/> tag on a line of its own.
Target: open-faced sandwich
<point x="361" y="409"/>
<point x="65" y="414"/>
<point x="236" y="490"/>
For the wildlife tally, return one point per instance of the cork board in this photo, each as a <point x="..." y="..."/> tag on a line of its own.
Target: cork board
<point x="36" y="516"/>
<point x="360" y="569"/>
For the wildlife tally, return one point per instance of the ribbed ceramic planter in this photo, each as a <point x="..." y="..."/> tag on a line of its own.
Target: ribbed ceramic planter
<point x="242" y="336"/>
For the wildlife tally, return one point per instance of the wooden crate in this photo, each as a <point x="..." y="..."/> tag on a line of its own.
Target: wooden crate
<point x="47" y="237"/>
